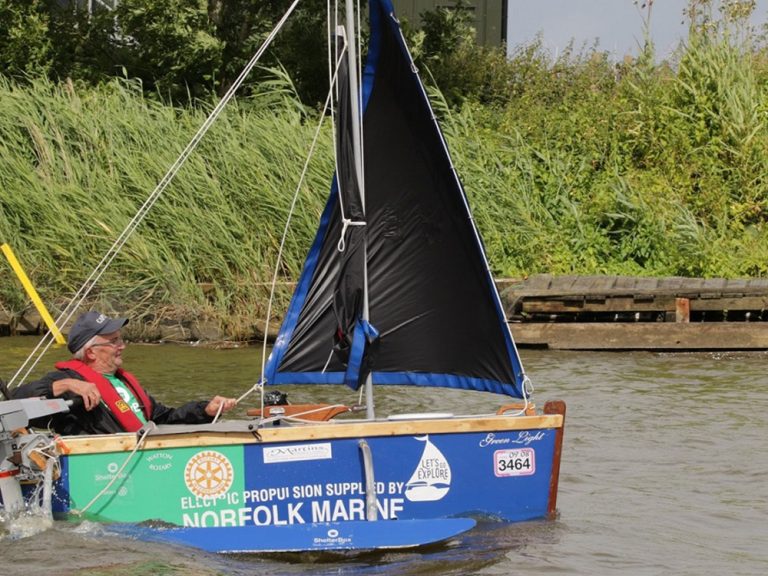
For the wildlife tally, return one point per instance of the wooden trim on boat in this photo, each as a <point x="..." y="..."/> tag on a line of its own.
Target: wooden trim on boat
<point x="555" y="407"/>
<point x="530" y="409"/>
<point x="313" y="432"/>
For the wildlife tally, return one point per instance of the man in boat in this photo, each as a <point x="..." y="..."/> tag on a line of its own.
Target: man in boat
<point x="112" y="398"/>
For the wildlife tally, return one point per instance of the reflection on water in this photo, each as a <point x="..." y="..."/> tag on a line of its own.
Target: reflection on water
<point x="663" y="472"/>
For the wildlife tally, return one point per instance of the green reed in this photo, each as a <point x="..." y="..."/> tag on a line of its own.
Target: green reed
<point x="584" y="167"/>
<point x="78" y="163"/>
<point x="635" y="167"/>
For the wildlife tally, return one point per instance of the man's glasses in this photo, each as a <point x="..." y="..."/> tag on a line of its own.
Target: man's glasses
<point x="114" y="342"/>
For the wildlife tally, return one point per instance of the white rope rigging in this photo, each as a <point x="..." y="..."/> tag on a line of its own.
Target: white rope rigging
<point x="527" y="389"/>
<point x="80" y="296"/>
<point x="218" y="413"/>
<point x="345" y="221"/>
<point x="334" y="55"/>
<point x="140" y="442"/>
<point x="328" y="104"/>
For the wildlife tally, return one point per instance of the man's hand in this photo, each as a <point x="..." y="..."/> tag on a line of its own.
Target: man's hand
<point x="217" y="402"/>
<point x="86" y="390"/>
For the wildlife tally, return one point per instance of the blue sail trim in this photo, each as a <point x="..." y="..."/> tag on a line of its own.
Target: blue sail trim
<point x="297" y="301"/>
<point x="299" y="296"/>
<point x="401" y="379"/>
<point x="364" y="335"/>
<point x="516" y="388"/>
<point x="379" y="19"/>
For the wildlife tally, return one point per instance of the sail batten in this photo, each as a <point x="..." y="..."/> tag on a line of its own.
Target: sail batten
<point x="435" y="318"/>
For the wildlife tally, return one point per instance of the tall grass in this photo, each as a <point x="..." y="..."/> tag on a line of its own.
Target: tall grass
<point x="591" y="166"/>
<point x="76" y="164"/>
<point x="575" y="165"/>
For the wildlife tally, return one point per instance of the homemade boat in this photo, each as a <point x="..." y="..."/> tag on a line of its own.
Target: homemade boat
<point x="396" y="290"/>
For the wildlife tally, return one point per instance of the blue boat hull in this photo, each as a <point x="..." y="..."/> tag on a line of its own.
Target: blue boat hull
<point x="494" y="467"/>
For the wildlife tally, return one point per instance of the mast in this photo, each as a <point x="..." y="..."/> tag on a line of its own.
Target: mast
<point x="354" y="90"/>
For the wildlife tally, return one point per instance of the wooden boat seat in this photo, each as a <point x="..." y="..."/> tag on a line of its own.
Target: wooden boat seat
<point x="316" y="412"/>
<point x="517" y="407"/>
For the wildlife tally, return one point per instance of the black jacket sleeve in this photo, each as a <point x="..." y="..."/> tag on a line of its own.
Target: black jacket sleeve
<point x="78" y="420"/>
<point x="189" y="413"/>
<point x="42" y="387"/>
<point x="100" y="420"/>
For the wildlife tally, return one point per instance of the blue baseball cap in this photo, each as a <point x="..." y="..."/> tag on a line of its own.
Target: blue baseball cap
<point x="89" y="325"/>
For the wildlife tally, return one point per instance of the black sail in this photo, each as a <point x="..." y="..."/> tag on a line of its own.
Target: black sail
<point x="435" y="315"/>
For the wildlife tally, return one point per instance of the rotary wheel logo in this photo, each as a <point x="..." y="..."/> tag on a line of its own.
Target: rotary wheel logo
<point x="208" y="473"/>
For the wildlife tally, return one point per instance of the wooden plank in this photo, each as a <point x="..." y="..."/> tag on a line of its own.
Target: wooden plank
<point x="672" y="283"/>
<point x="736" y="285"/>
<point x="538" y="282"/>
<point x="562" y="286"/>
<point x="705" y="295"/>
<point x="622" y="304"/>
<point x="552" y="307"/>
<point x="596" y="286"/>
<point x="717" y="304"/>
<point x="624" y="283"/>
<point x="564" y="283"/>
<point x="756" y="284"/>
<point x="313" y="432"/>
<point x="503" y="284"/>
<point x="646" y="284"/>
<point x="682" y="310"/>
<point x="643" y="335"/>
<point x="628" y="304"/>
<point x="714" y="285"/>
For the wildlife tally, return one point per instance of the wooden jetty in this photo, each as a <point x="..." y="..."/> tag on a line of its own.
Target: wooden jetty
<point x="599" y="313"/>
<point x="635" y="313"/>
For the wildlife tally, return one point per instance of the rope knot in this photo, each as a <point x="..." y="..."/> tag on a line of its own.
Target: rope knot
<point x="346" y="223"/>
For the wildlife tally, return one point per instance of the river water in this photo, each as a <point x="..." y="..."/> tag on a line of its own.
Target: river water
<point x="664" y="471"/>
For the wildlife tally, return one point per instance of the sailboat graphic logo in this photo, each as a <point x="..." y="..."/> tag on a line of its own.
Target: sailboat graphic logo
<point x="432" y="478"/>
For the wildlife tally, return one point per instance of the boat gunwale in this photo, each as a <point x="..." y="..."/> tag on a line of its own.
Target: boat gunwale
<point x="208" y="436"/>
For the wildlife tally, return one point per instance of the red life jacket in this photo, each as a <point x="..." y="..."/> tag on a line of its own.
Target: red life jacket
<point x="117" y="406"/>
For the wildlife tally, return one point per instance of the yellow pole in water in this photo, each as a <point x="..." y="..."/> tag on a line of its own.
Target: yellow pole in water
<point x="32" y="293"/>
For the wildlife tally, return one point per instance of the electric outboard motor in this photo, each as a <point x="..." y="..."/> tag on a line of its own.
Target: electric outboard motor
<point x="275" y="398"/>
<point x="24" y="456"/>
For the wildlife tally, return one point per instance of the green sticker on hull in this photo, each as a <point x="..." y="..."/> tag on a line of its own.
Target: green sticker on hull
<point x="165" y="484"/>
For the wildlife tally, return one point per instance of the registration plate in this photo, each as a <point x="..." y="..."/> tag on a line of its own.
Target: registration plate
<point x="517" y="462"/>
